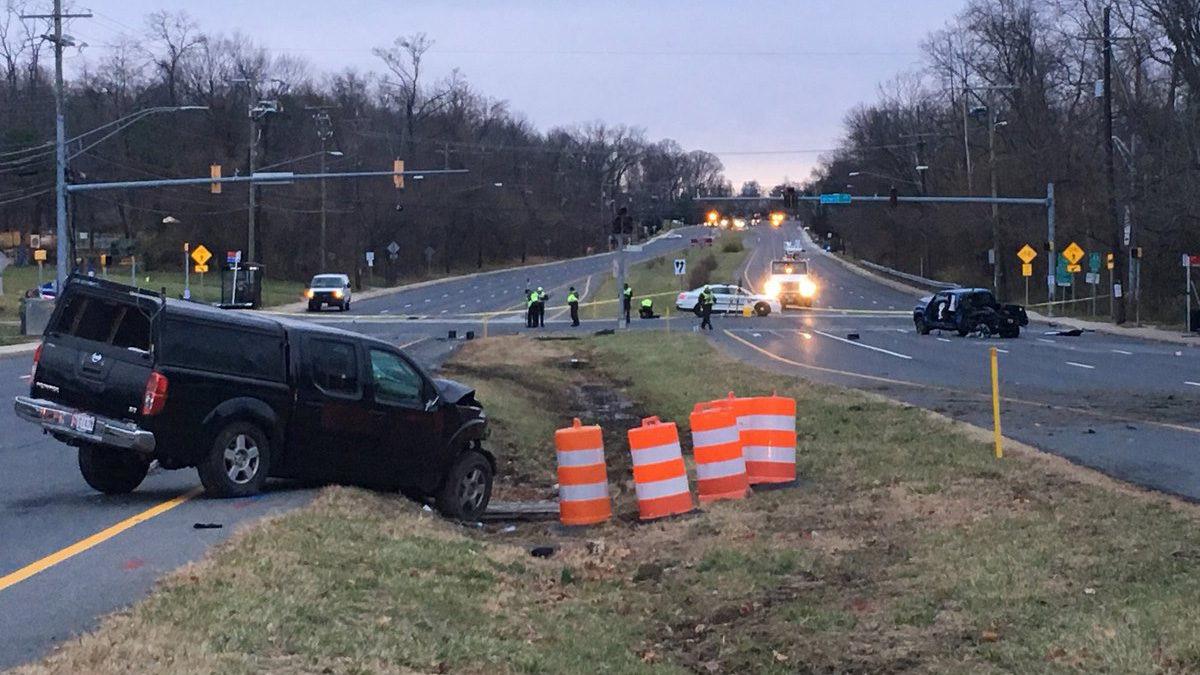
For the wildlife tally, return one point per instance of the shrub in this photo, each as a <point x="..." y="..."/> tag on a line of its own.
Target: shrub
<point x="733" y="246"/>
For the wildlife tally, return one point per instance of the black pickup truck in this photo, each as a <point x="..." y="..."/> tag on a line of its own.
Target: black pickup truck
<point x="129" y="377"/>
<point x="966" y="311"/>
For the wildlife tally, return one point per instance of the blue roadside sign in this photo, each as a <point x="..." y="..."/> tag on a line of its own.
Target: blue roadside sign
<point x="836" y="198"/>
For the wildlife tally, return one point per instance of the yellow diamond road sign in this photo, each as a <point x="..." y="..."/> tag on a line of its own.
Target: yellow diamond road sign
<point x="201" y="255"/>
<point x="1072" y="253"/>
<point x="1027" y="254"/>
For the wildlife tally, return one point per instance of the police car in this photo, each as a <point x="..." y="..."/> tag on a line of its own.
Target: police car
<point x="728" y="298"/>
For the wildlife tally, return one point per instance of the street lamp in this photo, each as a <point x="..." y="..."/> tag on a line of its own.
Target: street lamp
<point x="852" y="174"/>
<point x="321" y="153"/>
<point x="62" y="232"/>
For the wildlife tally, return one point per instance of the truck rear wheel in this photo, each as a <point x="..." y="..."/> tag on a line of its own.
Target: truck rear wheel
<point x="465" y="493"/>
<point x="111" y="470"/>
<point x="237" y="463"/>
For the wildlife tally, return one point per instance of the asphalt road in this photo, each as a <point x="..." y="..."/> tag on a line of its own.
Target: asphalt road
<point x="1124" y="406"/>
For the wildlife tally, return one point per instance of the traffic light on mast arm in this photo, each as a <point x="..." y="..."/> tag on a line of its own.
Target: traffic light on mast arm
<point x="398" y="180"/>
<point x="214" y="171"/>
<point x="789" y="198"/>
<point x="893" y="197"/>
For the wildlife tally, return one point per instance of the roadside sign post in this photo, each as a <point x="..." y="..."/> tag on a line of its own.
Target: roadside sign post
<point x="1093" y="276"/>
<point x="187" y="276"/>
<point x="40" y="256"/>
<point x="1189" y="261"/>
<point x="1027" y="254"/>
<point x="680" y="270"/>
<point x="200" y="255"/>
<point x="234" y="258"/>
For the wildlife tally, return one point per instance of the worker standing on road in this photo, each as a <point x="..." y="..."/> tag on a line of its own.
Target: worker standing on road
<point x="707" y="300"/>
<point x="542" y="297"/>
<point x="573" y="303"/>
<point x="627" y="295"/>
<point x="528" y="308"/>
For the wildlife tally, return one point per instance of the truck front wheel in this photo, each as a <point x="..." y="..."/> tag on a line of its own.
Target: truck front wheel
<point x="465" y="493"/>
<point x="110" y="470"/>
<point x="237" y="463"/>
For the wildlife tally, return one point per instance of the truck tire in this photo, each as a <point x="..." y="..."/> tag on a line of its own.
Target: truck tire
<point x="237" y="463"/>
<point x="919" y="323"/>
<point x="465" y="493"/>
<point x="111" y="470"/>
<point x="762" y="309"/>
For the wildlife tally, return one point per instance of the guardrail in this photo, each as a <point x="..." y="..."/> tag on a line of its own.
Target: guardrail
<point x="908" y="277"/>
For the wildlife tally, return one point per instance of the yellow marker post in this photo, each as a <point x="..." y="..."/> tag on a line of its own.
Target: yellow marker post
<point x="996" y="403"/>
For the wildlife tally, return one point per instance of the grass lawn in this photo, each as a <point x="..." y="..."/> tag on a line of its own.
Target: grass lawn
<point x="657" y="278"/>
<point x="911" y="549"/>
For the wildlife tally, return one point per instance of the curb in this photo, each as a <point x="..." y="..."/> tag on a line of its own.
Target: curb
<point x="16" y="350"/>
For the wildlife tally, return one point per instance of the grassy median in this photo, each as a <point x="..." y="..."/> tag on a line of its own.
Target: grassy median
<point x="656" y="277"/>
<point x="910" y="549"/>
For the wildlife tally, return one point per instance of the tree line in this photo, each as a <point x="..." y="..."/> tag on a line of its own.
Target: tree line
<point x="1010" y="93"/>
<point x="528" y="193"/>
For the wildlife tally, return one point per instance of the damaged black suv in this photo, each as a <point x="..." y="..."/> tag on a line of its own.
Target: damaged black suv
<point x="129" y="377"/>
<point x="967" y="311"/>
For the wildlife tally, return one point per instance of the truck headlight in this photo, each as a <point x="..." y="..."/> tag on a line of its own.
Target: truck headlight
<point x="773" y="289"/>
<point x="808" y="288"/>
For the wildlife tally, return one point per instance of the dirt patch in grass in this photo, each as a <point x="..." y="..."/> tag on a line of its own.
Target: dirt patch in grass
<point x="910" y="550"/>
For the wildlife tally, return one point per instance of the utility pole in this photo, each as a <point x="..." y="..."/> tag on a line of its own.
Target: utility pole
<point x="996" y="274"/>
<point x="62" y="235"/>
<point x="1118" y="314"/>
<point x="967" y="141"/>
<point x="324" y="132"/>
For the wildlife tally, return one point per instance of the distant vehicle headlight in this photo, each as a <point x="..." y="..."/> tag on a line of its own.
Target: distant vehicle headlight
<point x="808" y="288"/>
<point x="773" y="289"/>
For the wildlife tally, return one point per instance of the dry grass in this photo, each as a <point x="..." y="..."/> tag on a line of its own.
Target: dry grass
<point x="911" y="551"/>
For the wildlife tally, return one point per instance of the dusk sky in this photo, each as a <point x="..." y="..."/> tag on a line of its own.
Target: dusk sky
<point x="753" y="81"/>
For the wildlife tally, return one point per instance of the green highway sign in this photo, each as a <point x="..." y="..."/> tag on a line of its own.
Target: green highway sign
<point x="1093" y="262"/>
<point x="1062" y="276"/>
<point x="836" y="198"/>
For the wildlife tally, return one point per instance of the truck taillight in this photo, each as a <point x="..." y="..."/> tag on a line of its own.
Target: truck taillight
<point x="37" y="356"/>
<point x="156" y="394"/>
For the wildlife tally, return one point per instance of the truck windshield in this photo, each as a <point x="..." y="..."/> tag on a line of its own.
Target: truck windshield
<point x="789" y="267"/>
<point x="326" y="282"/>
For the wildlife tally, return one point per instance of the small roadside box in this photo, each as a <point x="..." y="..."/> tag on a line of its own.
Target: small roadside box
<point x="241" y="286"/>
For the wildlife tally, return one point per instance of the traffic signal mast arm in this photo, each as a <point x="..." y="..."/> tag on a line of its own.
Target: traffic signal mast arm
<point x="272" y="177"/>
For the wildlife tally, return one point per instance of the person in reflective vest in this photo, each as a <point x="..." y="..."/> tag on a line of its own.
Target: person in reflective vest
<point x="646" y="311"/>
<point x="573" y="303"/>
<point x="534" y="300"/>
<point x="707" y="300"/>
<point x="529" y="297"/>
<point x="627" y="294"/>
<point x="542" y="297"/>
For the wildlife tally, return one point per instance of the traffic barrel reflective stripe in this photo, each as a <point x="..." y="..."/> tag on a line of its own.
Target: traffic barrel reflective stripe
<point x="768" y="434"/>
<point x="582" y="476"/>
<point x="717" y="448"/>
<point x="659" y="475"/>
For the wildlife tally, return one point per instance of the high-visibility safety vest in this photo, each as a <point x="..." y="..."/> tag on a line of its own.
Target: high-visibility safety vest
<point x="571" y="297"/>
<point x="628" y="292"/>
<point x="534" y="297"/>
<point x="707" y="298"/>
<point x="542" y="295"/>
<point x="647" y="302"/>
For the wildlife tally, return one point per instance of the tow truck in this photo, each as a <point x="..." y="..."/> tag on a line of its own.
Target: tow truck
<point x="790" y="283"/>
<point x="793" y="249"/>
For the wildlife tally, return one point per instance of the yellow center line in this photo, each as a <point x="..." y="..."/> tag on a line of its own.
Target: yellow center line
<point x="962" y="392"/>
<point x="14" y="578"/>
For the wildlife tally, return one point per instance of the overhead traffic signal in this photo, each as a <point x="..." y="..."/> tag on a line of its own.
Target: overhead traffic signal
<point x="398" y="179"/>
<point x="789" y="198"/>
<point x="893" y="197"/>
<point x="214" y="171"/>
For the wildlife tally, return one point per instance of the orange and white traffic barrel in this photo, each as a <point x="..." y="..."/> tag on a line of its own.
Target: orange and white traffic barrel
<point x="717" y="448"/>
<point x="768" y="434"/>
<point x="582" y="475"/>
<point x="659" y="477"/>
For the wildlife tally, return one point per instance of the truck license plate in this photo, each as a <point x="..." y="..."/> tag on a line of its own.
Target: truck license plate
<point x="83" y="423"/>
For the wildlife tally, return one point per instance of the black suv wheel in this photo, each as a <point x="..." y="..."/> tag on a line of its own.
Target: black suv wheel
<point x="468" y="487"/>
<point x="237" y="463"/>
<point x="922" y="329"/>
<point x="111" y="470"/>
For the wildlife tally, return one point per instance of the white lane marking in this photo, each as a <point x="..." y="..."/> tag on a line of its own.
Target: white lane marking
<point x="493" y="295"/>
<point x="444" y="311"/>
<point x="1045" y="340"/>
<point x="1001" y="351"/>
<point x="891" y="307"/>
<point x="756" y="334"/>
<point x="385" y="311"/>
<point x="445" y="295"/>
<point x="1122" y="351"/>
<point x="1194" y="384"/>
<point x="408" y="305"/>
<point x="25" y="377"/>
<point x="859" y="344"/>
<point x="1080" y="365"/>
<point x="462" y="305"/>
<point x="776" y="333"/>
<point x="428" y="300"/>
<point x="941" y="339"/>
<point x="901" y="330"/>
